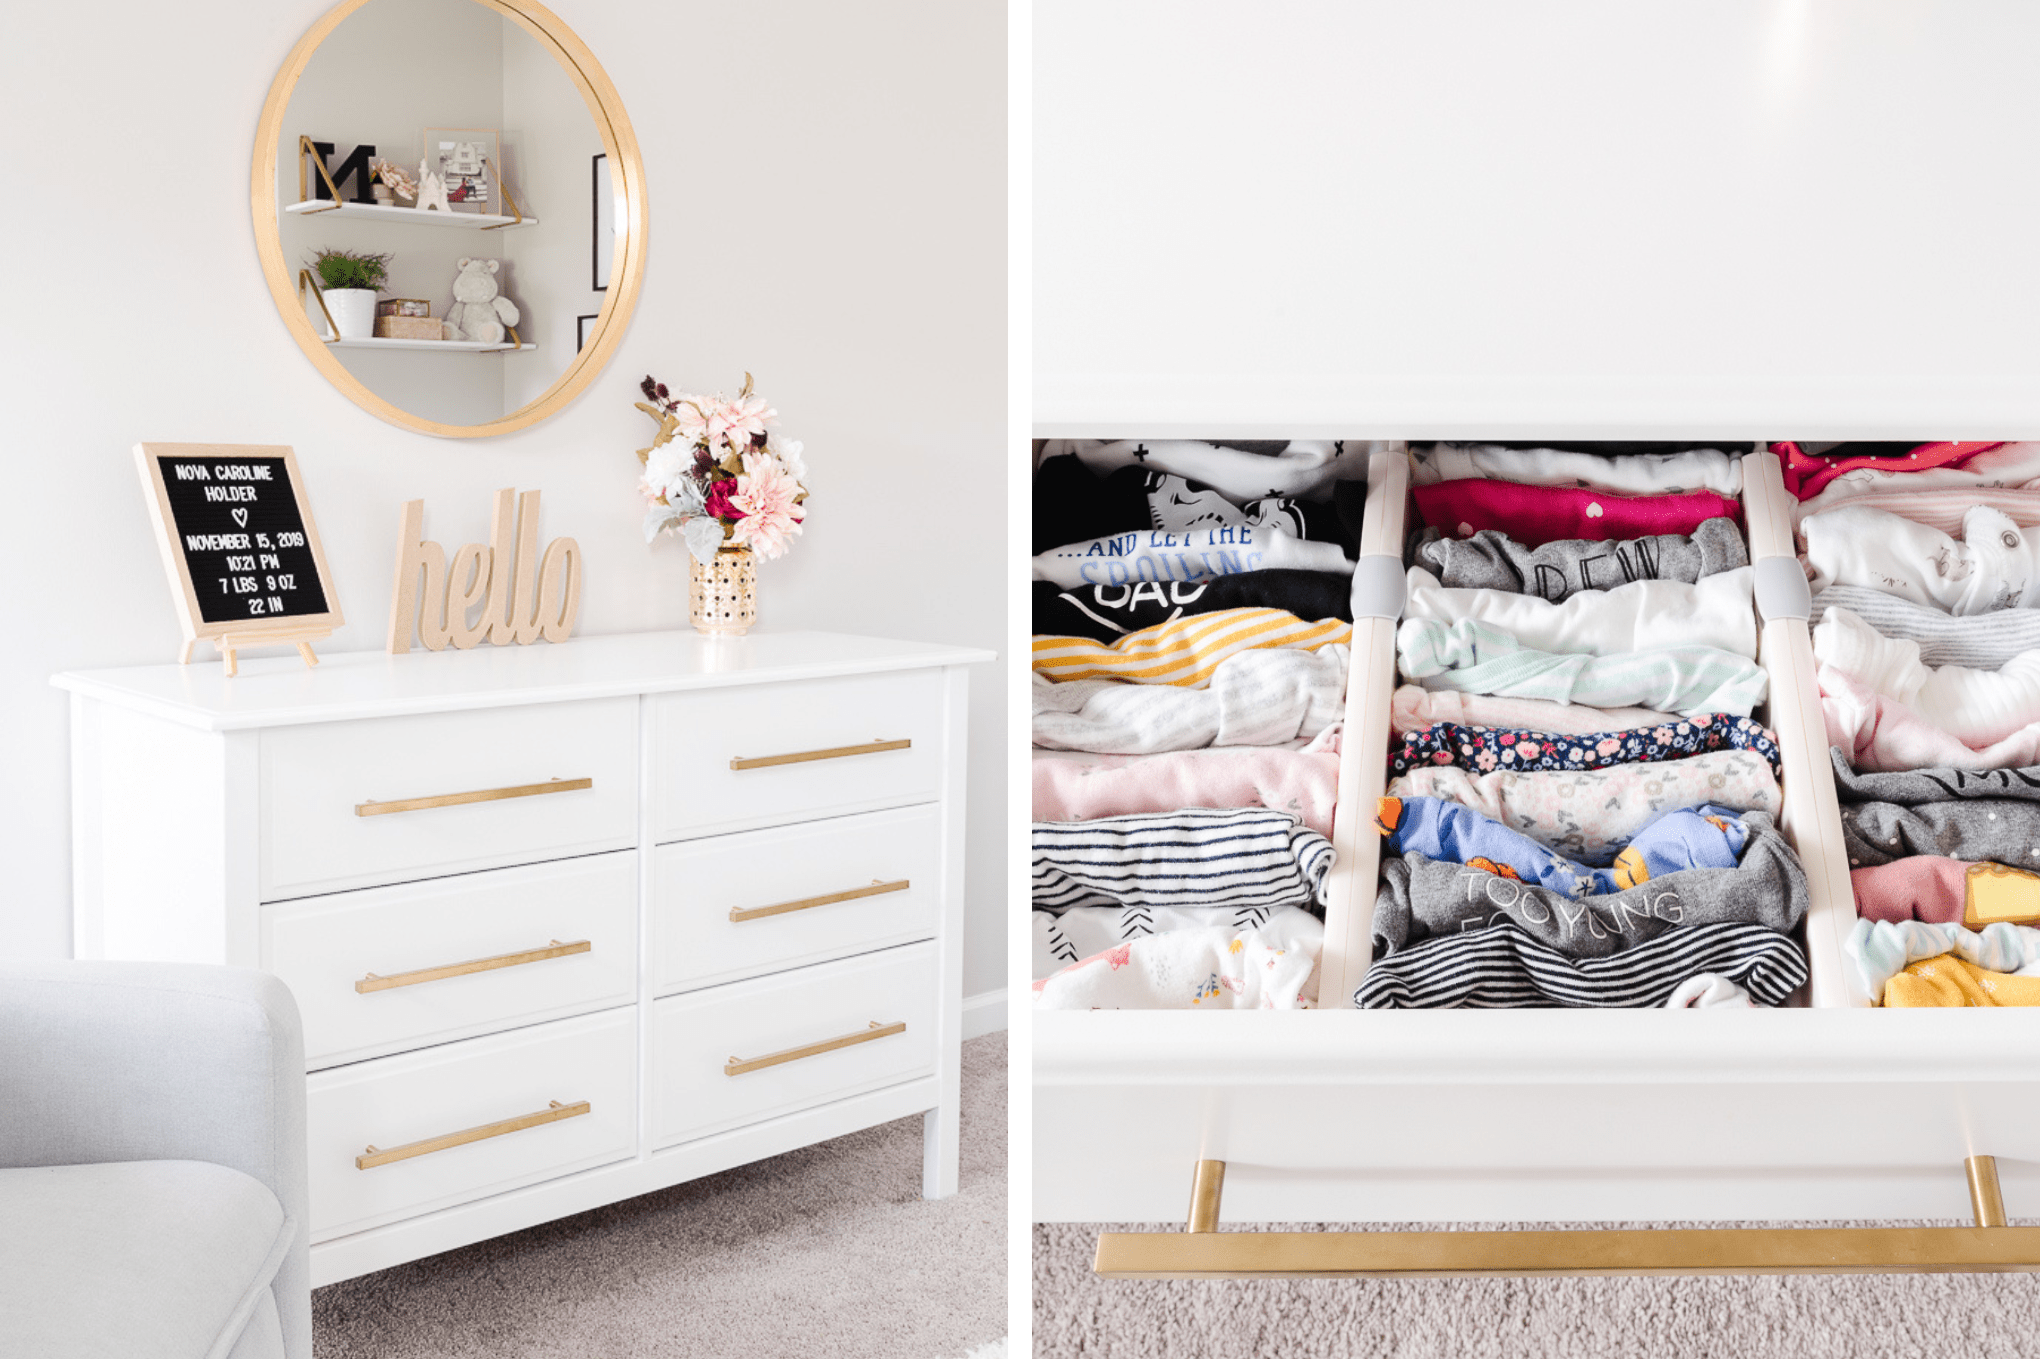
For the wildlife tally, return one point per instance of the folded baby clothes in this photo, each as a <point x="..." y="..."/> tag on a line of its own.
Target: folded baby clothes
<point x="1073" y="503"/>
<point x="1273" y="967"/>
<point x="1304" y="468"/>
<point x="1700" y="469"/>
<point x="1717" y="611"/>
<point x="1704" y="837"/>
<point x="1486" y="749"/>
<point x="1491" y="560"/>
<point x="1502" y="967"/>
<point x="1976" y="707"/>
<point x="1542" y="514"/>
<point x="1256" y="698"/>
<point x="1925" y="887"/>
<point x="2000" y="831"/>
<point x="1949" y="982"/>
<point x="1082" y="931"/>
<point x="1876" y="732"/>
<point x="1477" y="658"/>
<point x="1195" y="857"/>
<point x="1186" y="555"/>
<point x="1880" y="950"/>
<point x="1187" y="651"/>
<point x="1411" y="708"/>
<point x="1304" y="784"/>
<point x="1808" y="472"/>
<point x="1591" y="814"/>
<point x="2003" y="467"/>
<point x="1994" y="565"/>
<point x="1106" y="612"/>
<point x="1942" y="509"/>
<point x="1935" y="783"/>
<point x="1980" y="641"/>
<point x="1707" y="991"/>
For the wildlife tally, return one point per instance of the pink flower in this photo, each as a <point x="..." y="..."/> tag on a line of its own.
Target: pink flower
<point x="765" y="495"/>
<point x="721" y="499"/>
<point x="1607" y="747"/>
<point x="740" y="420"/>
<point x="1485" y="760"/>
<point x="1529" y="750"/>
<point x="1441" y="757"/>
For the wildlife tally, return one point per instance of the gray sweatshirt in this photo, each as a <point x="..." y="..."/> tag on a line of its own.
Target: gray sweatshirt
<point x="1916" y="787"/>
<point x="1994" y="830"/>
<point x="1492" y="560"/>
<point x="1423" y="897"/>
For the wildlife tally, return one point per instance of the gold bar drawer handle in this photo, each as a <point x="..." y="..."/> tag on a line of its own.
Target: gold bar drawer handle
<point x="832" y="753"/>
<point x="877" y="889"/>
<point x="1204" y="1252"/>
<point x="556" y="1111"/>
<point x="737" y="1066"/>
<point x="425" y="974"/>
<point x="419" y="804"/>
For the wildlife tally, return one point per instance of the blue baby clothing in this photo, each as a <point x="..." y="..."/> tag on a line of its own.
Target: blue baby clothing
<point x="1707" y="836"/>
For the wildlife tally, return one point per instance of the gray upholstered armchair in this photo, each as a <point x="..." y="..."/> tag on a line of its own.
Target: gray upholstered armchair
<point x="152" y="1163"/>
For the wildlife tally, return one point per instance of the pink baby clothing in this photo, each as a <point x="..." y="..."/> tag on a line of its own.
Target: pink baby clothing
<point x="1535" y="515"/>
<point x="1924" y="887"/>
<point x="1411" y="708"/>
<point x="1085" y="787"/>
<point x="1880" y="734"/>
<point x="1995" y="468"/>
<point x="1806" y="474"/>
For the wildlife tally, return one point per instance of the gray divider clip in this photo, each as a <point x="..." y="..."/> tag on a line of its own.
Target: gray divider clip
<point x="1781" y="589"/>
<point x="1378" y="590"/>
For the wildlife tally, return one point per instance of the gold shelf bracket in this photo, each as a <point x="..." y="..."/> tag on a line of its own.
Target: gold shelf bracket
<point x="305" y="148"/>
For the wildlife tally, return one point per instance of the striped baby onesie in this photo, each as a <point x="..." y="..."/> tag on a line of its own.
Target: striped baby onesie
<point x="1251" y="856"/>
<point x="1183" y="651"/>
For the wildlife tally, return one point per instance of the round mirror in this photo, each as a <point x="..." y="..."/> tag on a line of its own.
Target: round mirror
<point x="450" y="210"/>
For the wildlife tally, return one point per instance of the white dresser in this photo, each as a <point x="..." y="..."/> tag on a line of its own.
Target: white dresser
<point x="567" y="923"/>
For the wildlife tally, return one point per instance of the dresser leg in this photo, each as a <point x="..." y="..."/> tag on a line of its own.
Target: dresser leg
<point x="941" y="1147"/>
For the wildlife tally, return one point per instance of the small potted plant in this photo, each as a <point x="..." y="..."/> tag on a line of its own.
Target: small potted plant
<point x="349" y="282"/>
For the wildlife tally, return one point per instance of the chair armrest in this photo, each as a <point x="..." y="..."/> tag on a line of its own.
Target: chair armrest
<point x="104" y="1061"/>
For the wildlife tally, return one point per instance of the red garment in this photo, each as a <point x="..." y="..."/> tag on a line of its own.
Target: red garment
<point x="1535" y="515"/>
<point x="1806" y="473"/>
<point x="1925" y="887"/>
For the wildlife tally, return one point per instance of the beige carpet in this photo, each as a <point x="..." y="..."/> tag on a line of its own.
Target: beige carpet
<point x="1975" y="1316"/>
<point x="828" y="1250"/>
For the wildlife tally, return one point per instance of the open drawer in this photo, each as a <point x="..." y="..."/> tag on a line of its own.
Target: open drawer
<point x="1819" y="1109"/>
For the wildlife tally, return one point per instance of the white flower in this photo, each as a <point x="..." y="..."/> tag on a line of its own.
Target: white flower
<point x="667" y="466"/>
<point x="788" y="452"/>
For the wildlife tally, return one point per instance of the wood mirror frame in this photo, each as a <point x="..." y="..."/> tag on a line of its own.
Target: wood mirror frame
<point x="626" y="274"/>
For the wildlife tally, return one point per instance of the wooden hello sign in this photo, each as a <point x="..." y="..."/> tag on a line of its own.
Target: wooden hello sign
<point x="503" y="590"/>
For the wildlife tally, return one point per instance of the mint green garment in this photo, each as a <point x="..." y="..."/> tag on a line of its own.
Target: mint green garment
<point x="1478" y="658"/>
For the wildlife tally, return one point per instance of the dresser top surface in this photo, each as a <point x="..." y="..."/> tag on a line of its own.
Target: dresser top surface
<point x="274" y="691"/>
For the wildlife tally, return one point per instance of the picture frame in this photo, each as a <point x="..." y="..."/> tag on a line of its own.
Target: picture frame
<point x="468" y="159"/>
<point x="603" y="218"/>
<point x="583" y="325"/>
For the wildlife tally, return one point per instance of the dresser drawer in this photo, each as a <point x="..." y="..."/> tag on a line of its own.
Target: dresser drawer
<point x="710" y="898"/>
<point x="414" y="947"/>
<point x="706" y="1045"/>
<point x="358" y="804"/>
<point x="770" y="754"/>
<point x="485" y="1085"/>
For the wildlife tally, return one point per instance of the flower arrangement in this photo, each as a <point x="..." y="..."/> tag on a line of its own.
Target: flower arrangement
<point x="719" y="476"/>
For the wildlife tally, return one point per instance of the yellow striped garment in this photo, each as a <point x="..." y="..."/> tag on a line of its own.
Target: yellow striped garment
<point x="1183" y="651"/>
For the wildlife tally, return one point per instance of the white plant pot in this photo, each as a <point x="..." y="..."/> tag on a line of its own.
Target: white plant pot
<point x="353" y="311"/>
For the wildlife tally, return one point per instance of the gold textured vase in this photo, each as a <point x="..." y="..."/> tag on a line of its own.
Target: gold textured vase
<point x="722" y="597"/>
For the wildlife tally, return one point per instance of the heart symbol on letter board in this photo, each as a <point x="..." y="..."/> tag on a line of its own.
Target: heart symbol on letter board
<point x="1594" y="510"/>
<point x="241" y="517"/>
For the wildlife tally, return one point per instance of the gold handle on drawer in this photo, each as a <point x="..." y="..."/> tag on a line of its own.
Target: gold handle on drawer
<point x="877" y="889"/>
<point x="419" y="804"/>
<point x="552" y="1114"/>
<point x="555" y="949"/>
<point x="1204" y="1252"/>
<point x="737" y="1066"/>
<point x="832" y="753"/>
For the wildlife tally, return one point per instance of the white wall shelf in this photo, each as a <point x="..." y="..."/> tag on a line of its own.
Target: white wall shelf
<point x="457" y="346"/>
<point x="472" y="221"/>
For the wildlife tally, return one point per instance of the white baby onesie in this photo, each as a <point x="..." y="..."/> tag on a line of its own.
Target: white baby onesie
<point x="1977" y="707"/>
<point x="1994" y="565"/>
<point x="1185" y="555"/>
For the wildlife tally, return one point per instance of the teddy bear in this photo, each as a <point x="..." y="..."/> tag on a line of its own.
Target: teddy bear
<point x="478" y="313"/>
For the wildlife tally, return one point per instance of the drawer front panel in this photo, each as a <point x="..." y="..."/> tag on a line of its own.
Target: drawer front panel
<point x="700" y="884"/>
<point x="696" y="1037"/>
<point x="328" y="790"/>
<point x="326" y="948"/>
<point x="397" y="1103"/>
<point x="699" y="735"/>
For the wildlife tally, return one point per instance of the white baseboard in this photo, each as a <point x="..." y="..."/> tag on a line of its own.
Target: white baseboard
<point x="984" y="1013"/>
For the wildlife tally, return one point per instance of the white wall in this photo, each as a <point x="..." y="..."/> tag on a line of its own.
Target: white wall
<point x="827" y="193"/>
